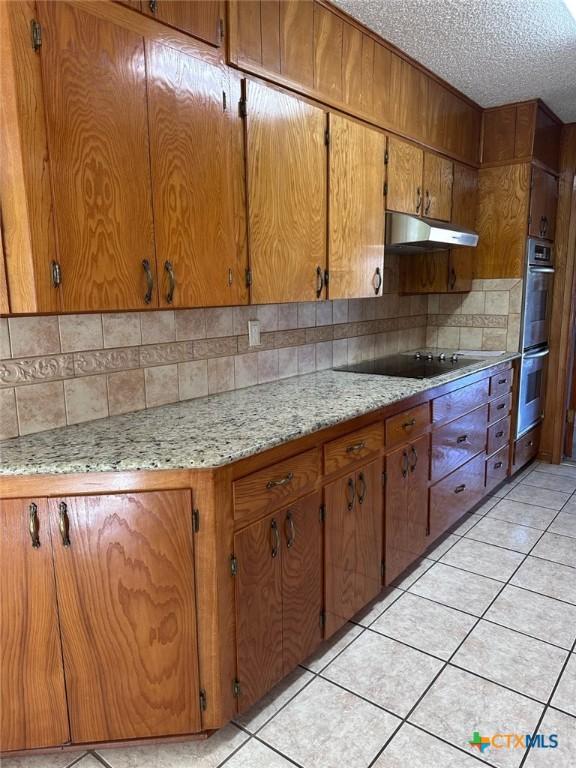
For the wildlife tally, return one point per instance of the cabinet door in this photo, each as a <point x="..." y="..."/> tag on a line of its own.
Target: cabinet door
<point x="417" y="498"/>
<point x="369" y="525"/>
<point x="296" y="40"/>
<point x="301" y="580"/>
<point x="551" y="205"/>
<point x="257" y="549"/>
<point x="286" y="196"/>
<point x="200" y="18"/>
<point x="356" y="218"/>
<point x="405" y="162"/>
<point x="197" y="177"/>
<point x="340" y="552"/>
<point x="33" y="712"/>
<point x="94" y="78"/>
<point x="438" y="179"/>
<point x="543" y="202"/>
<point x="127" y="607"/>
<point x="460" y="269"/>
<point x="464" y="196"/>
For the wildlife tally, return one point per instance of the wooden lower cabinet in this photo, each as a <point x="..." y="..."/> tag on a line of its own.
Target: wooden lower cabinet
<point x="406" y="506"/>
<point x="278" y="595"/>
<point x="352" y="543"/>
<point x="33" y="712"/>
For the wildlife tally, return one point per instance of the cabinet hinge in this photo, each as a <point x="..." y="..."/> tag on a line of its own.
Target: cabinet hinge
<point x="153" y="5"/>
<point x="385" y="188"/>
<point x="322" y="619"/>
<point x="248" y="278"/>
<point x="236" y="690"/>
<point x="322" y="512"/>
<point x="195" y="520"/>
<point x="203" y="700"/>
<point x="382" y="568"/>
<point x="224" y="105"/>
<point x="243" y="107"/>
<point x="326" y="277"/>
<point x="384" y="476"/>
<point x="386" y="157"/>
<point x="233" y="565"/>
<point x="529" y="219"/>
<point x="570" y="416"/>
<point x="221" y="28"/>
<point x="327" y="137"/>
<point x="36" y="32"/>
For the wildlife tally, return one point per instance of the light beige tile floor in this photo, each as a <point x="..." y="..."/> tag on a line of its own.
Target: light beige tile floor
<point x="479" y="636"/>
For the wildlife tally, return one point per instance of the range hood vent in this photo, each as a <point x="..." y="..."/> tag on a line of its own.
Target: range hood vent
<point x="411" y="234"/>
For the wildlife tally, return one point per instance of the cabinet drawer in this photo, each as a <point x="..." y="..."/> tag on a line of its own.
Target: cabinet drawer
<point x="406" y="425"/>
<point x="499" y="408"/>
<point x="460" y="401"/>
<point x="457" y="442"/>
<point x="526" y="448"/>
<point x="496" y="468"/>
<point x="501" y="383"/>
<point x="271" y="488"/>
<point x="455" y="495"/>
<point x="498" y="435"/>
<point x="351" y="448"/>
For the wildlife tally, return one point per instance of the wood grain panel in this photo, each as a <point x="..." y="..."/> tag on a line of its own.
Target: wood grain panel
<point x="502" y="222"/>
<point x="195" y="173"/>
<point x="425" y="272"/>
<point x="369" y="532"/>
<point x="258" y="610"/>
<point x="249" y="32"/>
<point x="460" y="401"/>
<point x="438" y="178"/>
<point x="328" y="31"/>
<point x="270" y="24"/>
<point x="200" y="18"/>
<point x="301" y="580"/>
<point x="95" y="93"/>
<point x="547" y="134"/>
<point x="460" y="270"/>
<point x="525" y="125"/>
<point x="464" y="196"/>
<point x="418" y="481"/>
<point x="127" y="613"/>
<point x="352" y="42"/>
<point x="499" y="134"/>
<point x="287" y="167"/>
<point x="407" y="425"/>
<point x="33" y="712"/>
<point x="368" y="47"/>
<point x="277" y="485"/>
<point x="297" y="41"/>
<point x="4" y="303"/>
<point x="497" y="468"/>
<point x="382" y="109"/>
<point x="356" y="446"/>
<point x="457" y="442"/>
<point x="356" y="209"/>
<point x="405" y="167"/>
<point x="455" y="495"/>
<point x="403" y="541"/>
<point x="498" y="435"/>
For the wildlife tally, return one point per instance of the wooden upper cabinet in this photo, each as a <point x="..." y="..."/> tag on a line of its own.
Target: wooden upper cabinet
<point x="197" y="180"/>
<point x="125" y="583"/>
<point x="405" y="164"/>
<point x="200" y="18"/>
<point x="286" y="168"/>
<point x="297" y="41"/>
<point x="94" y="76"/>
<point x="356" y="209"/>
<point x="328" y="34"/>
<point x="438" y="179"/>
<point x="543" y="203"/>
<point x="33" y="712"/>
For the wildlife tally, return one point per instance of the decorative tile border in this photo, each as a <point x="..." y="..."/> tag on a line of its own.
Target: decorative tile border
<point x="49" y="368"/>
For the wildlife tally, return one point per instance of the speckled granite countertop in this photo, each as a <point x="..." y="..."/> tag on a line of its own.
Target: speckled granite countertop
<point x="215" y="430"/>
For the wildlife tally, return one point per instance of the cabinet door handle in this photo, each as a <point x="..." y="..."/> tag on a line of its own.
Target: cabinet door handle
<point x="153" y="5"/>
<point x="355" y="447"/>
<point x="414" y="462"/>
<point x="452" y="278"/>
<point x="282" y="481"/>
<point x="405" y="464"/>
<point x="499" y="407"/>
<point x="377" y="281"/>
<point x="462" y="439"/>
<point x="460" y="488"/>
<point x="409" y="424"/>
<point x="350" y="494"/>
<point x="34" y="525"/>
<point x="319" y="282"/>
<point x="171" y="281"/>
<point x="291" y="534"/>
<point x="498" y="465"/>
<point x="500" y="434"/>
<point x="64" y="523"/>
<point x="502" y="381"/>
<point x="418" y="199"/>
<point x="428" y="202"/>
<point x="275" y="538"/>
<point x="149" y="281"/>
<point x="364" y="488"/>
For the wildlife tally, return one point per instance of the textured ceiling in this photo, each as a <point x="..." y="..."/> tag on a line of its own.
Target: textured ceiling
<point x="495" y="51"/>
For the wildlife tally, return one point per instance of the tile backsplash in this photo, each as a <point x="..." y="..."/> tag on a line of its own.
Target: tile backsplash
<point x="58" y="370"/>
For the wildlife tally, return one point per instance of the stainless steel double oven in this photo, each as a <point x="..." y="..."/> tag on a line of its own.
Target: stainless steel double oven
<point x="536" y="312"/>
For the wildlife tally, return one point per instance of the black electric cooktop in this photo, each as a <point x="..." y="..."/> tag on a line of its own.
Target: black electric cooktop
<point x="417" y="365"/>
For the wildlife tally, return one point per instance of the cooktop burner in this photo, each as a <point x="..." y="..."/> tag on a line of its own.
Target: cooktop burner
<point x="417" y="365"/>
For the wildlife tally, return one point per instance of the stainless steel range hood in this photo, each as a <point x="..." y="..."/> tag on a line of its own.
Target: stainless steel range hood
<point x="411" y="234"/>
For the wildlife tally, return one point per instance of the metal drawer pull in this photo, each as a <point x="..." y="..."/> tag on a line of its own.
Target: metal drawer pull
<point x="291" y="535"/>
<point x="530" y="443"/>
<point x="409" y="424"/>
<point x="378" y="278"/>
<point x="498" y="465"/>
<point x="362" y="493"/>
<point x="460" y="488"/>
<point x="415" y="458"/>
<point x="405" y="464"/>
<point x="319" y="282"/>
<point x="275" y="538"/>
<point x="153" y="5"/>
<point x="34" y="525"/>
<point x="64" y="523"/>
<point x="500" y="434"/>
<point x="502" y="381"/>
<point x="350" y="494"/>
<point x="149" y="281"/>
<point x="283" y="481"/>
<point x="356" y="447"/>
<point x="462" y="439"/>
<point x="171" y="281"/>
<point x="499" y="407"/>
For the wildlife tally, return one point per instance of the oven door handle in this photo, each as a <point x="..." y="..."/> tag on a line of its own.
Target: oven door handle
<point x="534" y="355"/>
<point x="543" y="270"/>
